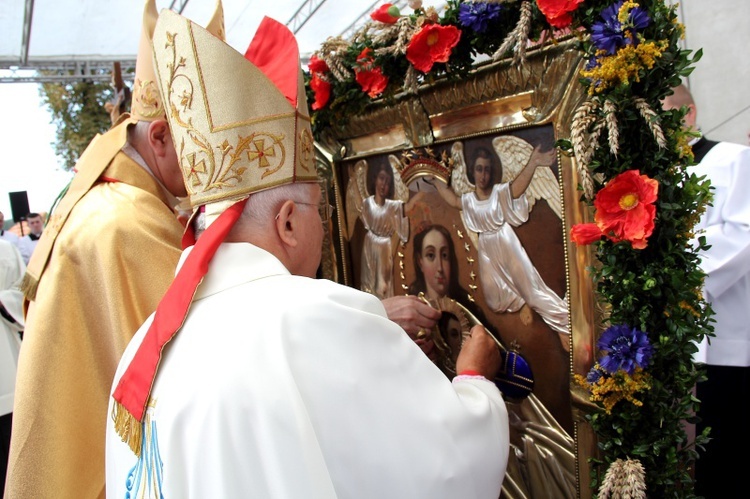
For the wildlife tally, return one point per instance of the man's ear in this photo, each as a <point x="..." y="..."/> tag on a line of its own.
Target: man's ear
<point x="287" y="222"/>
<point x="159" y="137"/>
<point x="691" y="118"/>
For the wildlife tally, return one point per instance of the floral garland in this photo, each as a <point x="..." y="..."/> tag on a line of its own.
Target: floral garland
<point x="630" y="156"/>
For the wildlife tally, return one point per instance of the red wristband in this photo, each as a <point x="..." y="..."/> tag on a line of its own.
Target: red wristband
<point x="469" y="372"/>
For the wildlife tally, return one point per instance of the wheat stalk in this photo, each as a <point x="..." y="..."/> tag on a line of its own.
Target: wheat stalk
<point x="518" y="37"/>
<point x="613" y="134"/>
<point x="624" y="479"/>
<point x="652" y="119"/>
<point x="583" y="149"/>
<point x="332" y="52"/>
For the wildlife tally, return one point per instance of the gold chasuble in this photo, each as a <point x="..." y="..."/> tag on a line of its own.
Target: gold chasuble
<point x="113" y="257"/>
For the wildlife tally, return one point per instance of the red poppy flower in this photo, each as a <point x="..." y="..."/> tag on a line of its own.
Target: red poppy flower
<point x="558" y="12"/>
<point x="317" y="65"/>
<point x="370" y="78"/>
<point x="583" y="234"/>
<point x="433" y="43"/>
<point x="322" y="90"/>
<point x="386" y="13"/>
<point x="625" y="208"/>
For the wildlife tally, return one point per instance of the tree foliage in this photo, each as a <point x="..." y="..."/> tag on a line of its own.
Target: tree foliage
<point x="78" y="112"/>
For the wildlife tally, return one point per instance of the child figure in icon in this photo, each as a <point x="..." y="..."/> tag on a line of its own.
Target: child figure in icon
<point x="384" y="219"/>
<point x="490" y="210"/>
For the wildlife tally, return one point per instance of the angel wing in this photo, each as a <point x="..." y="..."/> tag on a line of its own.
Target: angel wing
<point x="461" y="185"/>
<point x="459" y="178"/>
<point x="356" y="192"/>
<point x="514" y="154"/>
<point x="401" y="190"/>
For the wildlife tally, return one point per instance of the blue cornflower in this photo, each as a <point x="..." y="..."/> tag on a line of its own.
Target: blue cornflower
<point x="638" y="19"/>
<point x="626" y="347"/>
<point x="610" y="34"/>
<point x="595" y="374"/>
<point x="478" y="15"/>
<point x="592" y="63"/>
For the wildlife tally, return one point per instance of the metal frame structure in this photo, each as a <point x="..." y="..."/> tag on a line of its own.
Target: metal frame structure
<point x="99" y="68"/>
<point x="64" y="70"/>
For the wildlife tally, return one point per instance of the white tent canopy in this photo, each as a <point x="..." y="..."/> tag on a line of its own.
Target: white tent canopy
<point x="83" y="34"/>
<point x="88" y="34"/>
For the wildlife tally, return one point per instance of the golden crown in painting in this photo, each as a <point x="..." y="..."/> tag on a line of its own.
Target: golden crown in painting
<point x="240" y="124"/>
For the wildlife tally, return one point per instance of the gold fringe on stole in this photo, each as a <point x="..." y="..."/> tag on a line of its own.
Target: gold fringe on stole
<point x="129" y="428"/>
<point x="28" y="286"/>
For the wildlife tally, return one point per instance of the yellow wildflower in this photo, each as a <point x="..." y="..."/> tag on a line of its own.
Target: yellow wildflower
<point x="624" y="66"/>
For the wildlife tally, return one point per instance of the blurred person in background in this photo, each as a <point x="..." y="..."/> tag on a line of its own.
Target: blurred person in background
<point x="11" y="326"/>
<point x="7" y="235"/>
<point x="726" y="227"/>
<point x="28" y="243"/>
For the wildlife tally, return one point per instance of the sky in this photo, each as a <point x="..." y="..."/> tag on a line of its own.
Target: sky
<point x="29" y="162"/>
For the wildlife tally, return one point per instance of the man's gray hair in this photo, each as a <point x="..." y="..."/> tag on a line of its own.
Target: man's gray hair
<point x="262" y="206"/>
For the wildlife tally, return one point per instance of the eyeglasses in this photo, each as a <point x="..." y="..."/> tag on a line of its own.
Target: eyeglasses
<point x="325" y="209"/>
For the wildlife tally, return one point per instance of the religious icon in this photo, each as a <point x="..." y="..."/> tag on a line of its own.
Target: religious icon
<point x="384" y="220"/>
<point x="463" y="240"/>
<point x="491" y="209"/>
<point x="507" y="212"/>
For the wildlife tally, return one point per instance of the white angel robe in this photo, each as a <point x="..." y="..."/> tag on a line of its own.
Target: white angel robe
<point x="506" y="273"/>
<point x="279" y="386"/>
<point x="381" y="223"/>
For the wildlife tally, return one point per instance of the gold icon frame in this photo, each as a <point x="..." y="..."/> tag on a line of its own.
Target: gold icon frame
<point x="534" y="101"/>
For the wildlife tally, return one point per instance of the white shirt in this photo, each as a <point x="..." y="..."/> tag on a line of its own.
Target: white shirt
<point x="9" y="236"/>
<point x="27" y="245"/>
<point x="12" y="269"/>
<point x="726" y="226"/>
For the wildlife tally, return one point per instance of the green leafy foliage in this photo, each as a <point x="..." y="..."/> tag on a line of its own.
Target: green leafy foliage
<point x="78" y="113"/>
<point x="657" y="289"/>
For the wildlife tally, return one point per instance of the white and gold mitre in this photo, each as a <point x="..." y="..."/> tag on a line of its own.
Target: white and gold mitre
<point x="239" y="124"/>
<point x="146" y="103"/>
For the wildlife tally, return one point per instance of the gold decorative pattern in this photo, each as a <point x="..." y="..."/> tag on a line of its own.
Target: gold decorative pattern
<point x="306" y="147"/>
<point x="205" y="170"/>
<point x="496" y="94"/>
<point x="146" y="99"/>
<point x="229" y="148"/>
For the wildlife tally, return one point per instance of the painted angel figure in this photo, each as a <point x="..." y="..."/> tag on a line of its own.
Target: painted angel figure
<point x="383" y="218"/>
<point x="490" y="210"/>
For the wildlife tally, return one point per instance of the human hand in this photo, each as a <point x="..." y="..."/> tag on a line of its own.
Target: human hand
<point x="411" y="313"/>
<point x="543" y="157"/>
<point x="479" y="353"/>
